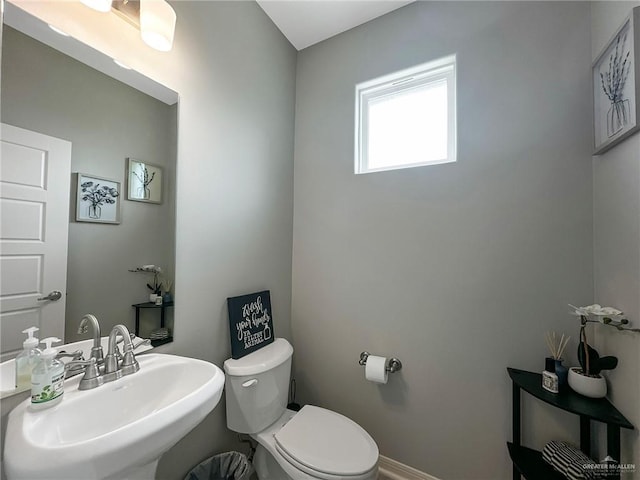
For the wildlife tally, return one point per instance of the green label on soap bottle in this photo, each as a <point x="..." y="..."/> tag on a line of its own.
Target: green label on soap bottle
<point x="48" y="392"/>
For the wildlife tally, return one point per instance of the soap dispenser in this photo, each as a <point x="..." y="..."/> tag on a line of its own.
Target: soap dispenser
<point x="27" y="359"/>
<point x="47" y="378"/>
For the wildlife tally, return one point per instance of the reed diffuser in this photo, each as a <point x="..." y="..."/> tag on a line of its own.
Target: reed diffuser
<point x="555" y="374"/>
<point x="556" y="345"/>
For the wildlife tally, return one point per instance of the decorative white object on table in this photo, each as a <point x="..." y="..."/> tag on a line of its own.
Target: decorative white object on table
<point x="595" y="310"/>
<point x="606" y="315"/>
<point x="589" y="386"/>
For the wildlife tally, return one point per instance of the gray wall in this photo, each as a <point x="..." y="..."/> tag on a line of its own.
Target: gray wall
<point x="456" y="269"/>
<point x="616" y="180"/>
<point x="106" y="121"/>
<point x="235" y="73"/>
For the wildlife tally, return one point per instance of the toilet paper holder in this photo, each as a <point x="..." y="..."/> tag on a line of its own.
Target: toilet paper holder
<point x="393" y="364"/>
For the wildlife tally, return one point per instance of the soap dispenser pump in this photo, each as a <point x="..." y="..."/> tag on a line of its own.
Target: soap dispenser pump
<point x="27" y="358"/>
<point x="47" y="378"/>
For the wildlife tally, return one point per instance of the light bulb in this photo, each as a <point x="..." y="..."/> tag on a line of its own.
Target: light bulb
<point x="99" y="5"/>
<point x="121" y="65"/>
<point x="157" y="24"/>
<point x="58" y="31"/>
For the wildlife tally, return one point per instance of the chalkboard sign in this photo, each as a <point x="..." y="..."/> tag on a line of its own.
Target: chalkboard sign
<point x="250" y="323"/>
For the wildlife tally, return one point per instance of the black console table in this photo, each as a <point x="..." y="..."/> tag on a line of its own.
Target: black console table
<point x="162" y="309"/>
<point x="528" y="462"/>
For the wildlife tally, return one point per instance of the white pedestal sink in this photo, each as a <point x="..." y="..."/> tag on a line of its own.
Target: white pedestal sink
<point x="116" y="431"/>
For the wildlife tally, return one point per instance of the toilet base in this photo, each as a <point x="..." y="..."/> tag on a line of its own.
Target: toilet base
<point x="266" y="466"/>
<point x="270" y="465"/>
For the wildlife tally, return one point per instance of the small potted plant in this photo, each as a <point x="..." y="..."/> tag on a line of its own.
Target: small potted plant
<point x="586" y="379"/>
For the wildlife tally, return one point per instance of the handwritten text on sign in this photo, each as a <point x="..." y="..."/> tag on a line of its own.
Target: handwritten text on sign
<point x="250" y="322"/>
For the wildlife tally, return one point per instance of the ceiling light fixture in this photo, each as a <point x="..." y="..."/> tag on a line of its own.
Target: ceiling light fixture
<point x="157" y="24"/>
<point x="99" y="5"/>
<point x="156" y="19"/>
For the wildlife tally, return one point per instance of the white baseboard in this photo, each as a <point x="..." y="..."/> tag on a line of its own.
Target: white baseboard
<point x="390" y="469"/>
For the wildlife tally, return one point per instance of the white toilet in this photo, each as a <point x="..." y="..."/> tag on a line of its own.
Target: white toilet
<point x="311" y="444"/>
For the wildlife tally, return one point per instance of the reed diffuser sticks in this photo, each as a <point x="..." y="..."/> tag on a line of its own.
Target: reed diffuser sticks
<point x="556" y="345"/>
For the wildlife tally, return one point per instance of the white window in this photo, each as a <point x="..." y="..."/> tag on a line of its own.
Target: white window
<point x="407" y="119"/>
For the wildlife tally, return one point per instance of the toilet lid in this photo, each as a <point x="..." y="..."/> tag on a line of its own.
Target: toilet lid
<point x="327" y="442"/>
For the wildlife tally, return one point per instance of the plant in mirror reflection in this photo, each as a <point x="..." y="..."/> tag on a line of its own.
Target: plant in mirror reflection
<point x="166" y="284"/>
<point x="157" y="285"/>
<point x="161" y="282"/>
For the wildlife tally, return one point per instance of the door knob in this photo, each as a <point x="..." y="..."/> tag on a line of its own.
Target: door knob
<point x="53" y="296"/>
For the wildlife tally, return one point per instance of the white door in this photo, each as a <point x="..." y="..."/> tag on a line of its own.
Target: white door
<point x="35" y="175"/>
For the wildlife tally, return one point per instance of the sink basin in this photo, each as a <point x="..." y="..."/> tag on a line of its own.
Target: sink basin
<point x="118" y="430"/>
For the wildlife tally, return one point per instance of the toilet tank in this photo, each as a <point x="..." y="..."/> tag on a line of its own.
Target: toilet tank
<point x="257" y="387"/>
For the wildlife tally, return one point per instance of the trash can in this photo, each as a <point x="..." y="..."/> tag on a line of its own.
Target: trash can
<point x="225" y="466"/>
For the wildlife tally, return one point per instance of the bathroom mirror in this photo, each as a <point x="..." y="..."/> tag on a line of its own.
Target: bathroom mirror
<point x="107" y="122"/>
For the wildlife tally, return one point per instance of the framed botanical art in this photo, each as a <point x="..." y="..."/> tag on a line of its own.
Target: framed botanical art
<point x="97" y="199"/>
<point x="616" y="86"/>
<point x="144" y="181"/>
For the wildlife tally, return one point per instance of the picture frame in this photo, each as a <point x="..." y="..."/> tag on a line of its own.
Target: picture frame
<point x="144" y="181"/>
<point x="97" y="199"/>
<point x="616" y="86"/>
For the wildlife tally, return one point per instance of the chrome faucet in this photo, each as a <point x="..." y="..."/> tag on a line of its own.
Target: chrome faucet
<point x="129" y="365"/>
<point x="96" y="350"/>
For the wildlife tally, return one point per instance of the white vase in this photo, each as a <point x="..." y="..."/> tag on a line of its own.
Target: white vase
<point x="594" y="387"/>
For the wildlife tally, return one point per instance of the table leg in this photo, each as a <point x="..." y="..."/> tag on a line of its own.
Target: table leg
<point x="137" y="332"/>
<point x="515" y="422"/>
<point x="613" y="446"/>
<point x="585" y="435"/>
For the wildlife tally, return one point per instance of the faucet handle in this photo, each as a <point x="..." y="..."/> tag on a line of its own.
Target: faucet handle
<point x="74" y="366"/>
<point x="77" y="355"/>
<point x="92" y="377"/>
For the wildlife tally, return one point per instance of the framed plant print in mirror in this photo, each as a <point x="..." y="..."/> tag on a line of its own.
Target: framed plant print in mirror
<point x="144" y="181"/>
<point x="97" y="199"/>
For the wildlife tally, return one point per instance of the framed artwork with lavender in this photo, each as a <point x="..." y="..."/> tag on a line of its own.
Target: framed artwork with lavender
<point x="97" y="199"/>
<point x="144" y="181"/>
<point x="616" y="86"/>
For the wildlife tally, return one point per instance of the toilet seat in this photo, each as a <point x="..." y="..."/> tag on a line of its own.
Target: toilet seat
<point x="326" y="445"/>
